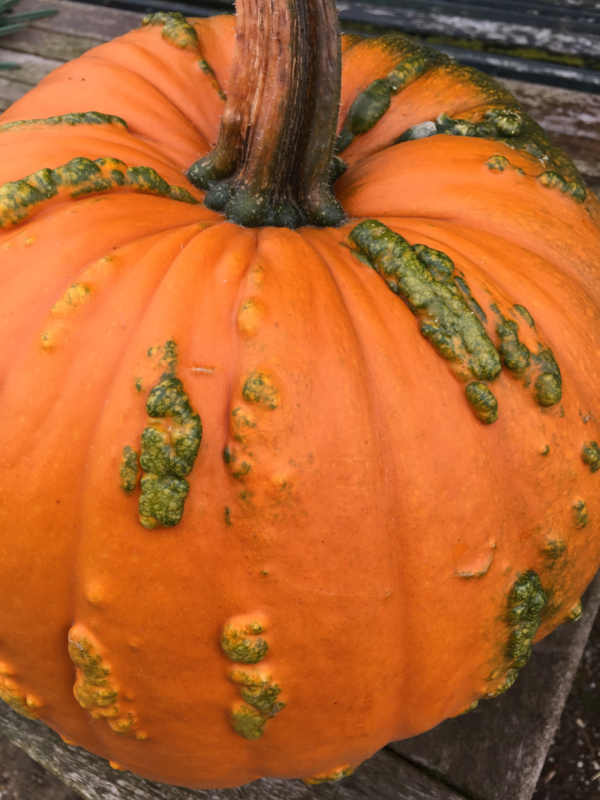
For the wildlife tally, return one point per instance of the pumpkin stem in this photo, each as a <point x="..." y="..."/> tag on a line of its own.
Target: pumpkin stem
<point x="272" y="164"/>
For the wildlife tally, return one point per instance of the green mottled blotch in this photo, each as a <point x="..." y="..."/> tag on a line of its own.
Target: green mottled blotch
<point x="525" y="314"/>
<point x="526" y="603"/>
<point x="169" y="446"/>
<point x="86" y="118"/>
<point x="580" y="514"/>
<point x="591" y="456"/>
<point x="227" y="516"/>
<point x="445" y="317"/>
<point x="248" y="722"/>
<point x="482" y="401"/>
<point x="237" y="645"/>
<point x="369" y="107"/>
<point x="547" y="389"/>
<point x="515" y="354"/>
<point x="171" y="452"/>
<point x="263" y="700"/>
<point x="129" y="469"/>
<point x="260" y="389"/>
<point x="439" y="264"/>
<point x="552" y="551"/>
<point x="162" y="500"/>
<point x="176" y="29"/>
<point x="554" y="180"/>
<point x="82" y="654"/>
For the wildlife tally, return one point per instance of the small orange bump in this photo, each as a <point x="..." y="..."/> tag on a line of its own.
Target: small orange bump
<point x="117" y="766"/>
<point x="70" y="742"/>
<point x="249" y="317"/>
<point x="96" y="592"/>
<point x="29" y="240"/>
<point x="330" y="776"/>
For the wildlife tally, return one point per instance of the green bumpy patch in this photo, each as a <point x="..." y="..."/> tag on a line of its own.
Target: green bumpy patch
<point x="501" y="163"/>
<point x="263" y="700"/>
<point x="514" y="353"/>
<point x="247" y="722"/>
<point x="257" y="690"/>
<point x="526" y="603"/>
<point x="591" y="456"/>
<point x="81" y="177"/>
<point x="259" y="389"/>
<point x="129" y="469"/>
<point x="547" y="389"/>
<point x="87" y="118"/>
<point x="522" y="311"/>
<point x="94" y="690"/>
<point x="510" y="125"/>
<point x="175" y="29"/>
<point x="169" y="449"/>
<point x="580" y="514"/>
<point x="554" y="180"/>
<point x="238" y="645"/>
<point x="372" y="103"/>
<point x="423" y="277"/>
<point x="483" y="402"/>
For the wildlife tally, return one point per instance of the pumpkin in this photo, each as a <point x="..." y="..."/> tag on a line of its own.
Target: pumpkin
<point x="276" y="493"/>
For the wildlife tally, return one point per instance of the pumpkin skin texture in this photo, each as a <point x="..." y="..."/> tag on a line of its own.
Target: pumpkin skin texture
<point x="359" y="555"/>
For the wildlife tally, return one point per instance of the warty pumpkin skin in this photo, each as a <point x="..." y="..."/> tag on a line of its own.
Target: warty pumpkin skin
<point x="367" y="543"/>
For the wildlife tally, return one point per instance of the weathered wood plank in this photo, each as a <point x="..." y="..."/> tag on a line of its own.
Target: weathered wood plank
<point x="23" y="778"/>
<point x="80" y="19"/>
<point x="386" y="776"/>
<point x="498" y="750"/>
<point x="32" y="68"/>
<point x="48" y="44"/>
<point x="489" y="22"/>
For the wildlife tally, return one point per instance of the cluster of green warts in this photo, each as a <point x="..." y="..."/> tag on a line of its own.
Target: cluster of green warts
<point x="526" y="603"/>
<point x="81" y="177"/>
<point x="244" y="645"/>
<point x="169" y="446"/>
<point x="451" y="319"/>
<point x="506" y="123"/>
<point x="510" y="127"/>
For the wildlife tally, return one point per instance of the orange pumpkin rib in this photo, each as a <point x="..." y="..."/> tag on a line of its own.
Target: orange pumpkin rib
<point x="568" y="441"/>
<point x="51" y="432"/>
<point x="450" y="89"/>
<point x="104" y="228"/>
<point x="421" y="179"/>
<point x="55" y="144"/>
<point x="81" y="84"/>
<point x="146" y="54"/>
<point x="425" y="442"/>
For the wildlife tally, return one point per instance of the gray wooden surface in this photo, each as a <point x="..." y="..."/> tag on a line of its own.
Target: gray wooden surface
<point x="496" y="752"/>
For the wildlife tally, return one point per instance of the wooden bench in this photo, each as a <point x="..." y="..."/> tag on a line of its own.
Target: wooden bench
<point x="494" y="753"/>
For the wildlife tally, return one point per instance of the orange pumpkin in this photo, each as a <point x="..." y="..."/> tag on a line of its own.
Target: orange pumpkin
<point x="271" y="498"/>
